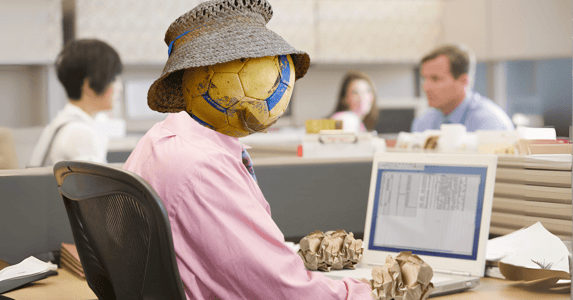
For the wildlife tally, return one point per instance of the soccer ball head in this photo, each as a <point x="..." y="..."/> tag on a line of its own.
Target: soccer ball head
<point x="240" y="97"/>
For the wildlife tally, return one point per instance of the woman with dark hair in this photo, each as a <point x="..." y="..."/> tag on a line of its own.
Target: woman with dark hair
<point x="89" y="71"/>
<point x="357" y="103"/>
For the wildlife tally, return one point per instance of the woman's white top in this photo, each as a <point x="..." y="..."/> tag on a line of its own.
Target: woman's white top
<point x="75" y="137"/>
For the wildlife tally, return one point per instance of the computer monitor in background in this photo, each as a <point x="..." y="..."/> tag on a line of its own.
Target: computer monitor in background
<point x="395" y="120"/>
<point x="137" y="114"/>
<point x="396" y="115"/>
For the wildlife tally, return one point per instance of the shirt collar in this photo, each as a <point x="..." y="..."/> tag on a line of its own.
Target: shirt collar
<point x="458" y="113"/>
<point x="184" y="126"/>
<point x="74" y="110"/>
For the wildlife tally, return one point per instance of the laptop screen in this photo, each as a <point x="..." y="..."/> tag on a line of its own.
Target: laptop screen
<point x="428" y="209"/>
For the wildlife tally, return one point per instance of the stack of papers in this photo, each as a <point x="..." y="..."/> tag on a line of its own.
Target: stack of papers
<point x="29" y="270"/>
<point x="71" y="260"/>
<point x="532" y="255"/>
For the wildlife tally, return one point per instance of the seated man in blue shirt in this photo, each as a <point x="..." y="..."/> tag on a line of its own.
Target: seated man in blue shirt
<point x="448" y="76"/>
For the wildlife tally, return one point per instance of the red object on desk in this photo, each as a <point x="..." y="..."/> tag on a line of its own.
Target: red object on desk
<point x="390" y="143"/>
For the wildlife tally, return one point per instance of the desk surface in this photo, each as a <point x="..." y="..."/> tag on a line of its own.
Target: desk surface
<point x="64" y="286"/>
<point x="67" y="286"/>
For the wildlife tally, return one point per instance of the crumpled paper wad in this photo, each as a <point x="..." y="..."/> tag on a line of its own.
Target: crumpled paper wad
<point x="407" y="277"/>
<point x="333" y="250"/>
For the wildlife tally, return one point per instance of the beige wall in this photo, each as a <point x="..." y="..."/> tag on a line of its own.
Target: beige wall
<point x="31" y="31"/>
<point x="31" y="94"/>
<point x="21" y="90"/>
<point x="499" y="30"/>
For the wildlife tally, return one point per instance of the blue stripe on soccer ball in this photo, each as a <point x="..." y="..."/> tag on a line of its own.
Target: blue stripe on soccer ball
<point x="285" y="69"/>
<point x="213" y="103"/>
<point x="283" y="84"/>
<point x="201" y="121"/>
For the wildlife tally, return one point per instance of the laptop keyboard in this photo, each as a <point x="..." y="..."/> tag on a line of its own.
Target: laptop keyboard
<point x="437" y="279"/>
<point x="356" y="273"/>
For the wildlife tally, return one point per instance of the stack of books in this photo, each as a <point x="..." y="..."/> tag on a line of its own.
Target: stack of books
<point x="70" y="260"/>
<point x="530" y="189"/>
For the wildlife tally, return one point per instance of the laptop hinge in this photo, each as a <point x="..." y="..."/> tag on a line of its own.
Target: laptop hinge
<point x="452" y="272"/>
<point x="461" y="273"/>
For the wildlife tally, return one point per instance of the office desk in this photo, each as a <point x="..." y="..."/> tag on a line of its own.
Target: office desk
<point x="67" y="286"/>
<point x="64" y="286"/>
<point x="501" y="289"/>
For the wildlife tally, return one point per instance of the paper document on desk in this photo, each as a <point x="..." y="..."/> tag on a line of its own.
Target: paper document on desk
<point x="532" y="255"/>
<point x="534" y="239"/>
<point x="29" y="270"/>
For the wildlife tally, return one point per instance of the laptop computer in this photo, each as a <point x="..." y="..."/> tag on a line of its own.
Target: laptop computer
<point x="438" y="206"/>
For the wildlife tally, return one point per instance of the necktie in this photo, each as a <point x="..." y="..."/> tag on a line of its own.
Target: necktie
<point x="248" y="163"/>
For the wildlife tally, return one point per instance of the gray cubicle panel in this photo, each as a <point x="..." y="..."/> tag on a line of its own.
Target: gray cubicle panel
<point x="317" y="196"/>
<point x="33" y="219"/>
<point x="118" y="156"/>
<point x="303" y="198"/>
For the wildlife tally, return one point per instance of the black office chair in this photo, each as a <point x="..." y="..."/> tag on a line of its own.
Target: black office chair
<point x="121" y="231"/>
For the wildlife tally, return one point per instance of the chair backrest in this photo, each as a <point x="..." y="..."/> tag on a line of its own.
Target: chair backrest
<point x="121" y="231"/>
<point x="8" y="159"/>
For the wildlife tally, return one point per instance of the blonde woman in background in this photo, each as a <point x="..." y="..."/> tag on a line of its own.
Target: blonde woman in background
<point x="357" y="103"/>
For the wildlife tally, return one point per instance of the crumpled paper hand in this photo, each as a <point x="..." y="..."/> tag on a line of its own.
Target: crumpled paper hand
<point x="407" y="277"/>
<point x="333" y="250"/>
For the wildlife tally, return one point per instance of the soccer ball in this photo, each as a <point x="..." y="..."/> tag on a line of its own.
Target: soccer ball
<point x="239" y="97"/>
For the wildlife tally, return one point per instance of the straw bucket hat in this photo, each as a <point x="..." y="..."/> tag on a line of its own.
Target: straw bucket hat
<point x="216" y="32"/>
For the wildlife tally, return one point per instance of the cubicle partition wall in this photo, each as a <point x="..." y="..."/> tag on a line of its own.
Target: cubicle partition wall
<point x="319" y="194"/>
<point x="304" y="196"/>
<point x="33" y="219"/>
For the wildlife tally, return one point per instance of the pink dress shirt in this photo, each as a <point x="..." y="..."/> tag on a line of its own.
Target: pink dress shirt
<point x="227" y="245"/>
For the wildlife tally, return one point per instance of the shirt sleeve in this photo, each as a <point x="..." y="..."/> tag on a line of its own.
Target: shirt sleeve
<point x="423" y="123"/>
<point x="228" y="245"/>
<point x="416" y="125"/>
<point x="489" y="118"/>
